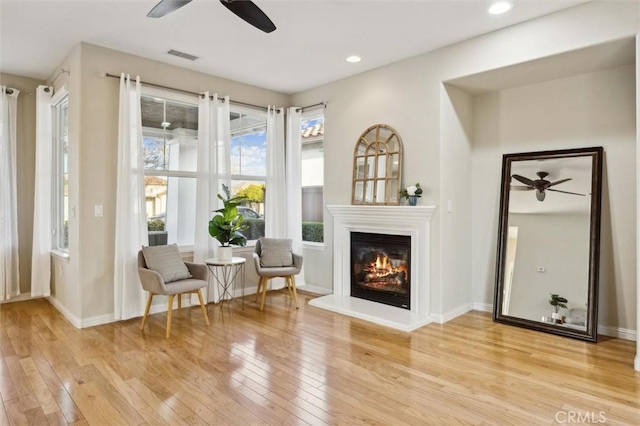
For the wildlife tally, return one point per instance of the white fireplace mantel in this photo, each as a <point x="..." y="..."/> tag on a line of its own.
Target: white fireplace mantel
<point x="413" y="221"/>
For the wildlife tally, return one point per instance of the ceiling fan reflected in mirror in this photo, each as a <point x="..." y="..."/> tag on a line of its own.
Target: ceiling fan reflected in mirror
<point x="244" y="9"/>
<point x="540" y="185"/>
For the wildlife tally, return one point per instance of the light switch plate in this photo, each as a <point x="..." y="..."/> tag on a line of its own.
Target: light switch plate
<point x="97" y="209"/>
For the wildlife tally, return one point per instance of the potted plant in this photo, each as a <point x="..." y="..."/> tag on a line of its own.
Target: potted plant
<point x="557" y="302"/>
<point x="411" y="193"/>
<point x="226" y="225"/>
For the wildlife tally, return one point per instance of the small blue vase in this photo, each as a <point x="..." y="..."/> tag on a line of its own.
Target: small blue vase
<point x="413" y="200"/>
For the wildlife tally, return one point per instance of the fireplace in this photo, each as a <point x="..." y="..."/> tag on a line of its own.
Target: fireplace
<point x="391" y="221"/>
<point x="380" y="268"/>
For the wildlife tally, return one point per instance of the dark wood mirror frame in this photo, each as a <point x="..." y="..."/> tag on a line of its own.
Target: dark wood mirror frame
<point x="590" y="334"/>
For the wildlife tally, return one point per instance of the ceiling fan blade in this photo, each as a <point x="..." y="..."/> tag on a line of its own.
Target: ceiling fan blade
<point x="521" y="188"/>
<point x="540" y="195"/>
<point x="251" y="13"/>
<point x="165" y="7"/>
<point x="557" y="182"/>
<point x="524" y="180"/>
<point x="566" y="192"/>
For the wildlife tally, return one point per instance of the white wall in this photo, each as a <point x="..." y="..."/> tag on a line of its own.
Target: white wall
<point x="456" y="195"/>
<point x="594" y="109"/>
<point x="407" y="95"/>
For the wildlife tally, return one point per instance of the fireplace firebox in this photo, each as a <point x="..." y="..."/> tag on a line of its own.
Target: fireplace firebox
<point x="380" y="268"/>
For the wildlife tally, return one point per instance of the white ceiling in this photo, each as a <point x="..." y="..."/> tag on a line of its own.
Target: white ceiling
<point x="309" y="47"/>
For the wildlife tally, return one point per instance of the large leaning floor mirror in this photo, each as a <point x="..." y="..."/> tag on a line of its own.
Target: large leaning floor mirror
<point x="549" y="242"/>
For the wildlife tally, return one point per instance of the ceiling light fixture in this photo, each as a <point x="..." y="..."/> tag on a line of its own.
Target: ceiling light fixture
<point x="500" y="7"/>
<point x="354" y="59"/>
<point x="165" y="124"/>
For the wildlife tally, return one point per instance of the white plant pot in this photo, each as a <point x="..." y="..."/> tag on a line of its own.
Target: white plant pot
<point x="556" y="315"/>
<point x="225" y="253"/>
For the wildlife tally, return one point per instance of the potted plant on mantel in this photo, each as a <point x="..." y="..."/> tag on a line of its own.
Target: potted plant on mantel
<point x="557" y="302"/>
<point x="226" y="225"/>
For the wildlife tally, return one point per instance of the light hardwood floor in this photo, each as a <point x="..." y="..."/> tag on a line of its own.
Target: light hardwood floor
<point x="287" y="366"/>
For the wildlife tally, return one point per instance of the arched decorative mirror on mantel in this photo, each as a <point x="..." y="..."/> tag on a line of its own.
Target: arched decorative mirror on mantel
<point x="549" y="242"/>
<point x="377" y="167"/>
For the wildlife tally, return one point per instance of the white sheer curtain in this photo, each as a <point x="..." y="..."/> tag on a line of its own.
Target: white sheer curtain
<point x="275" y="195"/>
<point x="213" y="144"/>
<point x="294" y="181"/>
<point x="42" y="211"/>
<point x="131" y="223"/>
<point x="223" y="145"/>
<point x="207" y="183"/>
<point x="9" y="274"/>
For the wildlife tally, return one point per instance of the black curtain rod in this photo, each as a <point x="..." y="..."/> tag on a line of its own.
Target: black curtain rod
<point x="301" y="109"/>
<point x="160" y="86"/>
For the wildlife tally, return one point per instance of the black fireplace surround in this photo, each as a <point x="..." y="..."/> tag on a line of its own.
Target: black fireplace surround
<point x="380" y="268"/>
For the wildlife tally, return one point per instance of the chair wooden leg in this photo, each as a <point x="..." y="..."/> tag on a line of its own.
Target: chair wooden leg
<point x="264" y="293"/>
<point x="288" y="283"/>
<point x="204" y="308"/>
<point x="180" y="303"/>
<point x="293" y="286"/>
<point x="146" y="311"/>
<point x="260" y="282"/>
<point x="169" y="315"/>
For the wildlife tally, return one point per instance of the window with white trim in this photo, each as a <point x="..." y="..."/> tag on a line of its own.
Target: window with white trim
<point x="312" y="175"/>
<point x="60" y="181"/>
<point x="170" y="155"/>
<point x="248" y="162"/>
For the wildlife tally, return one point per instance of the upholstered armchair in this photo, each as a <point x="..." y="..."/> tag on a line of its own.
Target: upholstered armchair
<point x="273" y="258"/>
<point x="153" y="282"/>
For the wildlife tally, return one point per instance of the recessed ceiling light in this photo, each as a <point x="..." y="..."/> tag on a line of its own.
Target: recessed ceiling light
<point x="354" y="58"/>
<point x="500" y="7"/>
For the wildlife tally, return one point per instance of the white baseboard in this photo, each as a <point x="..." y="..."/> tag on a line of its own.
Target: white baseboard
<point x="315" y="289"/>
<point x="483" y="307"/>
<point x="620" y="333"/>
<point x="448" y="316"/>
<point x="74" y="320"/>
<point x="107" y="318"/>
<point x="636" y="363"/>
<point x="96" y="320"/>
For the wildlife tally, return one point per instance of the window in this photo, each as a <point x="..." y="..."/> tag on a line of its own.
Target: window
<point x="248" y="160"/>
<point x="60" y="182"/>
<point x="312" y="176"/>
<point x="170" y="155"/>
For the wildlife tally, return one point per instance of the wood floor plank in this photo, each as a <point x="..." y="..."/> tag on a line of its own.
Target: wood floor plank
<point x="285" y="366"/>
<point x="4" y="418"/>
<point x="40" y="389"/>
<point x="95" y="407"/>
<point x="16" y="412"/>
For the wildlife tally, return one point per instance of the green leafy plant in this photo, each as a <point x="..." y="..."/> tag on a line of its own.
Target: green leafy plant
<point x="226" y="225"/>
<point x="313" y="232"/>
<point x="155" y="225"/>
<point x="557" y="302"/>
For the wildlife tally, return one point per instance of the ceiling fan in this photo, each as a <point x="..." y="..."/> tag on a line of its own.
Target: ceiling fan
<point x="244" y="9"/>
<point x="540" y="185"/>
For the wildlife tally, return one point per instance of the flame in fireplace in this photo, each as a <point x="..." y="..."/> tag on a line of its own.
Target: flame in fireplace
<point x="382" y="271"/>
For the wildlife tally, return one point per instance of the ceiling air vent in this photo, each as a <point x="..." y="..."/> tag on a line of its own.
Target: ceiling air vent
<point x="182" y="55"/>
